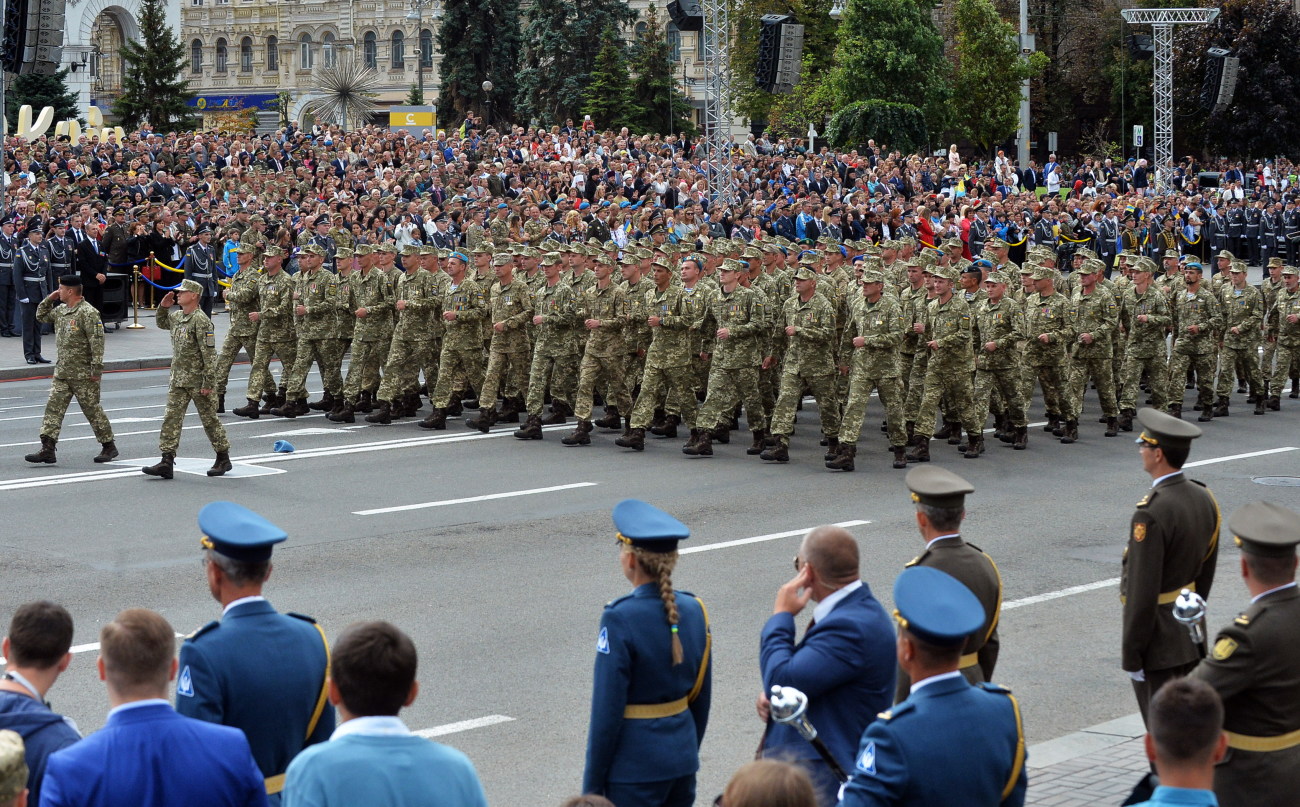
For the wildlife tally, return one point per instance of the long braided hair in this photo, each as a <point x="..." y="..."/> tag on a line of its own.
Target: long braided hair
<point x="660" y="565"/>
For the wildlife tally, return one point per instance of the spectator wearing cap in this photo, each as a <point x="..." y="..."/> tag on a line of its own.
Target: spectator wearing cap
<point x="652" y="687"/>
<point x="147" y="754"/>
<point x="36" y="653"/>
<point x="971" y="733"/>
<point x="256" y="669"/>
<point x="372" y="758"/>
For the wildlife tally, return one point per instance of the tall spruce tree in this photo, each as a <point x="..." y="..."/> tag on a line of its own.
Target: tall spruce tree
<point x="152" y="87"/>
<point x="559" y="56"/>
<point x="479" y="41"/>
<point x="40" y="92"/>
<point x="656" y="103"/>
<point x="607" y="97"/>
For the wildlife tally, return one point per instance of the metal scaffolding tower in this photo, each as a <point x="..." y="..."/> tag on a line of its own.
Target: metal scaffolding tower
<point x="717" y="102"/>
<point x="1162" y="22"/>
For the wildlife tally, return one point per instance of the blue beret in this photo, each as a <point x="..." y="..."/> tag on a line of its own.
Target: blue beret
<point x="503" y="206"/>
<point x="648" y="527"/>
<point x="604" y="203"/>
<point x="238" y="533"/>
<point x="623" y="204"/>
<point x="935" y="607"/>
<point x="584" y="206"/>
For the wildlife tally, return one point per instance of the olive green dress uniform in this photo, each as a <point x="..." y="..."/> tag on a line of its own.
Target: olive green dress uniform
<point x="79" y="337"/>
<point x="1173" y="543"/>
<point x="1255" y="667"/>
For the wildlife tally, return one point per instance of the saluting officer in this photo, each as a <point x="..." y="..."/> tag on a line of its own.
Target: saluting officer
<point x="650" y="698"/>
<point x="1173" y="544"/>
<point x="256" y="669"/>
<point x="948" y="737"/>
<point x="1255" y="665"/>
<point x="203" y="267"/>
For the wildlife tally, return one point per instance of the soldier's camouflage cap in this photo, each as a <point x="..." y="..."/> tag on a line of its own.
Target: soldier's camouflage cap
<point x="1275" y="262"/>
<point x="272" y="250"/>
<point x="343" y="253"/>
<point x="410" y="249"/>
<point x="551" y="259"/>
<point x="945" y="272"/>
<point x="361" y="250"/>
<point x="13" y="765"/>
<point x="730" y="265"/>
<point x="1045" y="273"/>
<point x="315" y="249"/>
<point x="189" y="285"/>
<point x="873" y="276"/>
<point x="1290" y="270"/>
<point x="428" y="250"/>
<point x="244" y="249"/>
<point x="1143" y="264"/>
<point x="481" y="249"/>
<point x="1092" y="266"/>
<point x="503" y="260"/>
<point x="805" y="272"/>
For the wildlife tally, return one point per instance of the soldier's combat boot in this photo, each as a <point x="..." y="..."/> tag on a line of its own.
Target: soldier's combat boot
<point x="559" y="414"/>
<point x="945" y="431"/>
<point x="437" y="419"/>
<point x="165" y="467"/>
<point x="1275" y="402"/>
<point x="221" y="403"/>
<point x="1112" y="427"/>
<point x="1071" y="432"/>
<point x="1207" y="414"/>
<point x="703" y="445"/>
<point x="581" y="435"/>
<point x="634" y="439"/>
<point x="295" y="408"/>
<point x="366" y="403"/>
<point x="900" y="456"/>
<point x="272" y="400"/>
<point x="107" y="452"/>
<point x="1022" y="438"/>
<point x="843" y="459"/>
<point x="221" y="465"/>
<point x="1221" y="408"/>
<point x="325" y="404"/>
<point x="974" y="446"/>
<point x="46" y="454"/>
<point x="920" y="450"/>
<point x="779" y="452"/>
<point x="414" y="403"/>
<point x="454" y="409"/>
<point x="1295" y="388"/>
<point x="346" y="413"/>
<point x="1259" y="402"/>
<point x="1053" y="423"/>
<point x="397" y="408"/>
<point x="657" y="422"/>
<point x="611" y="420"/>
<point x="381" y="416"/>
<point x="1176" y="410"/>
<point x="532" y="429"/>
<point x="670" y="426"/>
<point x="911" y="431"/>
<point x="248" y="410"/>
<point x="832" y="449"/>
<point x="510" y="409"/>
<point x="287" y="409"/>
<point x="487" y="417"/>
<point x="1126" y="420"/>
<point x="722" y="434"/>
<point x="756" y="447"/>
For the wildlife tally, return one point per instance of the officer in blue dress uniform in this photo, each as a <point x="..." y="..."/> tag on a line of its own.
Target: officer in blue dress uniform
<point x="256" y="669"/>
<point x="949" y="742"/>
<point x="650" y="696"/>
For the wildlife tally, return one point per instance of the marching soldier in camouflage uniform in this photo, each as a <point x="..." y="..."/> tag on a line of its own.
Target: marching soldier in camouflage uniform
<point x="554" y="349"/>
<point x="948" y="371"/>
<point x="316" y="302"/>
<point x="1243" y="315"/>
<point x="1146" y="316"/>
<point x="344" y="326"/>
<point x="1269" y="289"/>
<point x="79" y="338"/>
<point x="417" y="302"/>
<point x="370" y="304"/>
<point x="603" y="309"/>
<point x="736" y="318"/>
<point x="1096" y="321"/>
<point x="193" y="378"/>
<point x="1000" y="324"/>
<point x="275" y="335"/>
<point x="464" y="309"/>
<point x="869" y="356"/>
<point x="1196" y="325"/>
<point x="636" y="334"/>
<point x="1047" y="332"/>
<point x="1284" y="327"/>
<point x="510" y="311"/>
<point x="809" y="362"/>
<point x="241" y="299"/>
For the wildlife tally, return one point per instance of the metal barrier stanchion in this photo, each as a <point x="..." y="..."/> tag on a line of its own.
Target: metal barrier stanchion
<point x="135" y="298"/>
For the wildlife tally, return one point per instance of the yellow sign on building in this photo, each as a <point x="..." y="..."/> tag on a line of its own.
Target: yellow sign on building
<point x="413" y="118"/>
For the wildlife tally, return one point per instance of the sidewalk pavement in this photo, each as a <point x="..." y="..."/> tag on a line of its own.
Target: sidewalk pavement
<point x="1096" y="767"/>
<point x="124" y="349"/>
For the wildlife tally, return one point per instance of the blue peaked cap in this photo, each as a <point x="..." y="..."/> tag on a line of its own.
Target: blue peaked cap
<point x="644" y="525"/>
<point x="935" y="607"/>
<point x="238" y="533"/>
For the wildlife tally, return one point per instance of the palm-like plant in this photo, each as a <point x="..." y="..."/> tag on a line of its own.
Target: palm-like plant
<point x="347" y="91"/>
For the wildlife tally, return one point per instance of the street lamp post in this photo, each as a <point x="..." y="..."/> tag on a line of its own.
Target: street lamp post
<point x="417" y="16"/>
<point x="487" y="102"/>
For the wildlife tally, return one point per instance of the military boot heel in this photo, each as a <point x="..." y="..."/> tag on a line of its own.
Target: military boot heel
<point x="164" y="469"/>
<point x="107" y="452"/>
<point x="46" y="454"/>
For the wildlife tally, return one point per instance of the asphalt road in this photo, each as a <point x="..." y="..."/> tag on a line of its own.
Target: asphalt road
<point x="502" y="595"/>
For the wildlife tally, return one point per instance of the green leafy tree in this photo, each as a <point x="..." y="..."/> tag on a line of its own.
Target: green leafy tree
<point x="988" y="74"/>
<point x="607" y="98"/>
<point x="890" y="50"/>
<point x="40" y="92"/>
<point x="656" y="103"/>
<point x="808" y="104"/>
<point x="895" y="126"/>
<point x="152" y="87"/>
<point x="819" y="31"/>
<point x="558" y="58"/>
<point x="479" y="41"/>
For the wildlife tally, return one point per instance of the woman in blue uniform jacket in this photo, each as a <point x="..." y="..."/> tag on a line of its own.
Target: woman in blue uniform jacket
<point x="650" y="696"/>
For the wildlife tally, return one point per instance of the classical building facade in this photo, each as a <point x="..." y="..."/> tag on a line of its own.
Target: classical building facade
<point x="92" y="40"/>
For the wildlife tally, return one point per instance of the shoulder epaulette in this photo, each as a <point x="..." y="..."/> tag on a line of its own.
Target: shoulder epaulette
<point x="303" y="617"/>
<point x="617" y="600"/>
<point x="898" y="710"/>
<point x="988" y="686"/>
<point x="211" y="626"/>
<point x="1147" y="499"/>
<point x="1197" y="482"/>
<point x="1242" y="619"/>
<point x="916" y="560"/>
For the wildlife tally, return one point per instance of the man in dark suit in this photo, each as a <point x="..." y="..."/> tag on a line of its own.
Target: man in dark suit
<point x="844" y="663"/>
<point x="92" y="266"/>
<point x="1173" y="544"/>
<point x="147" y="753"/>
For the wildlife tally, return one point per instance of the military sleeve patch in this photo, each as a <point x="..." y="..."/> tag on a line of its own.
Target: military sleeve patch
<point x="185" y="684"/>
<point x="210" y="339"/>
<point x="867" y="759"/>
<point x="602" y="641"/>
<point x="1139" y="532"/>
<point x="1224" y="648"/>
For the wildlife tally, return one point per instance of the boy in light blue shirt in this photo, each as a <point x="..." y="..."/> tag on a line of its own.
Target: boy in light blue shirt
<point x="1185" y="741"/>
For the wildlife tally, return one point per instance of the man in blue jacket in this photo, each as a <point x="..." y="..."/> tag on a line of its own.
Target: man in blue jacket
<point x="844" y="663"/>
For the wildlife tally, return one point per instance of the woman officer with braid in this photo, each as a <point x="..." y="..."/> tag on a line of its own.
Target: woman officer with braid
<point x="650" y="699"/>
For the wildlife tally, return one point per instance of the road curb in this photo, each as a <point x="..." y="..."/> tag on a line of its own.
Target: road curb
<point x="1087" y="741"/>
<point x="36" y="372"/>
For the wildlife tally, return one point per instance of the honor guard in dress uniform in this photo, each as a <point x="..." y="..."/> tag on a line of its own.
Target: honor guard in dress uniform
<point x="650" y="696"/>
<point x="62" y="251"/>
<point x="204" y="267"/>
<point x="256" y="669"/>
<point x="1255" y="665"/>
<point x="1173" y="544"/>
<point x="940" y="498"/>
<point x="1236" y="217"/>
<point x="10" y="313"/>
<point x="31" y="273"/>
<point x="950" y="742"/>
<point x="325" y="241"/>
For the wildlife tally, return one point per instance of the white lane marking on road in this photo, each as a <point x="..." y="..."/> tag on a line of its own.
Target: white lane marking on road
<point x="1056" y="595"/>
<point x="464" y="725"/>
<point x="199" y="467"/>
<point x="119" y="409"/>
<point x="468" y="499"/>
<point x="757" y="539"/>
<point x="116" y="434"/>
<point x="1232" y="457"/>
<point x="65" y="479"/>
<point x="294" y="433"/>
<point x="86" y="648"/>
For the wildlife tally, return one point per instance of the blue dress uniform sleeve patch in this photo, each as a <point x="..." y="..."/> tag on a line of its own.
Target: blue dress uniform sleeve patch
<point x="602" y="641"/>
<point x="867" y="759"/>
<point x="185" y="683"/>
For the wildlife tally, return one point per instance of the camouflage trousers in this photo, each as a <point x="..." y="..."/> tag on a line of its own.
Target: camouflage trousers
<point x="1266" y="358"/>
<point x="87" y="394"/>
<point x="507" y="374"/>
<point x="657" y="383"/>
<point x="953" y="384"/>
<point x="559" y="372"/>
<point x="1288" y="363"/>
<point x="633" y="369"/>
<point x="1238" y="362"/>
<point x="178" y="401"/>
<point x="1157" y="372"/>
<point x="726" y="389"/>
<point x="363" y="368"/>
<point x="456" y="364"/>
<point x="861" y="386"/>
<point x="1056" y="397"/>
<point x="1117" y="365"/>
<point x="1006" y="383"/>
<point x="259" y="377"/>
<point x="325" y="354"/>
<point x="916" y="385"/>
<point x="769" y="385"/>
<point x="787" y="401"/>
<point x="1100" y="372"/>
<point x="608" y="373"/>
<point x="226" y="359"/>
<point x="402" y="369"/>
<point x="1203" y="364"/>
